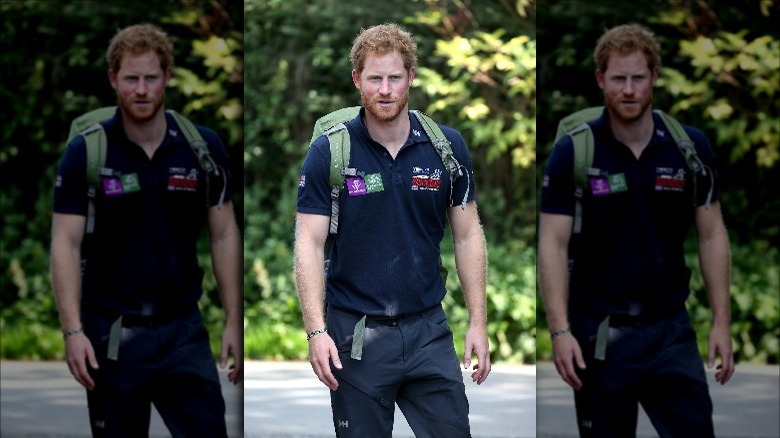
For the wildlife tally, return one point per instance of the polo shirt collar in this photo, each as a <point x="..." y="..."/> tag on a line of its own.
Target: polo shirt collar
<point x="600" y="128"/>
<point x="416" y="131"/>
<point x="114" y="129"/>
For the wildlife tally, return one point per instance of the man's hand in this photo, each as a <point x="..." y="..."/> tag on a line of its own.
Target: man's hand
<point x="232" y="342"/>
<point x="477" y="343"/>
<point x="80" y="354"/>
<point x="720" y="343"/>
<point x="321" y="350"/>
<point x="567" y="353"/>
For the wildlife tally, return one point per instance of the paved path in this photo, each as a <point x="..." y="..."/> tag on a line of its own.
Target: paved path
<point x="285" y="399"/>
<point x="747" y="406"/>
<point x="41" y="399"/>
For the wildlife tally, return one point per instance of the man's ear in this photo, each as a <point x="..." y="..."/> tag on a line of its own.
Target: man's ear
<point x="411" y="75"/>
<point x="112" y="78"/>
<point x="167" y="74"/>
<point x="600" y="78"/>
<point x="356" y="78"/>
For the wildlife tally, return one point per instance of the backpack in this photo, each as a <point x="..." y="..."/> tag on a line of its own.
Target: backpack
<point x="333" y="125"/>
<point x="88" y="125"/>
<point x="576" y="126"/>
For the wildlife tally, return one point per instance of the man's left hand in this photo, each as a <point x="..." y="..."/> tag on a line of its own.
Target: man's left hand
<point x="232" y="343"/>
<point x="720" y="343"/>
<point x="477" y="343"/>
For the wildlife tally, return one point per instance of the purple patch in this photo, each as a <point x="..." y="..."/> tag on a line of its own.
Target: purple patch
<point x="356" y="186"/>
<point x="599" y="186"/>
<point x="112" y="186"/>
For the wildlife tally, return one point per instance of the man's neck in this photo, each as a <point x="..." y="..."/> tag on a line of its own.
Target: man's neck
<point x="635" y="134"/>
<point x="391" y="134"/>
<point x="149" y="134"/>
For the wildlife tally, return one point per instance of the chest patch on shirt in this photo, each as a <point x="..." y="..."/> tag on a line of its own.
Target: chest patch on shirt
<point x="181" y="179"/>
<point x="371" y="183"/>
<point x="115" y="186"/>
<point x="603" y="186"/>
<point x="423" y="179"/>
<point x="668" y="179"/>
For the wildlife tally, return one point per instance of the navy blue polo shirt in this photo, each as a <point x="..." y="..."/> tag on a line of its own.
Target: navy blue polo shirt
<point x="385" y="258"/>
<point x="142" y="257"/>
<point x="629" y="258"/>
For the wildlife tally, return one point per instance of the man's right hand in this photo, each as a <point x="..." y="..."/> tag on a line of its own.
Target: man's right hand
<point x="566" y="355"/>
<point x="80" y="354"/>
<point x="321" y="350"/>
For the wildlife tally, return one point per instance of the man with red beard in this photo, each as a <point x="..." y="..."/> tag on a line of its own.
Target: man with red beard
<point x="384" y="339"/>
<point x="615" y="291"/>
<point x="127" y="290"/>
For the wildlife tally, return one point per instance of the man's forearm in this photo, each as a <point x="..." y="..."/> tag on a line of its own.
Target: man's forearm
<point x="226" y="261"/>
<point x="66" y="280"/>
<point x="553" y="276"/>
<point x="715" y="262"/>
<point x="310" y="281"/>
<point x="471" y="263"/>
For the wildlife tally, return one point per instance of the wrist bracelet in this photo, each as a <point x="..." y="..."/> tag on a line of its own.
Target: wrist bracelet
<point x="72" y="332"/>
<point x="316" y="332"/>
<point x="557" y="333"/>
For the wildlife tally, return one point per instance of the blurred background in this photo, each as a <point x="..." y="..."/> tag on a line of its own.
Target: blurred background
<point x="52" y="56"/>
<point x="476" y="72"/>
<point x="720" y="72"/>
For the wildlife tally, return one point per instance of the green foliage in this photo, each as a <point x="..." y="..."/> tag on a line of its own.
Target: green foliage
<point x="41" y="94"/>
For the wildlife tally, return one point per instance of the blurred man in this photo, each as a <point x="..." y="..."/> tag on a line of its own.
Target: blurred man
<point x="615" y="291"/>
<point x="127" y="284"/>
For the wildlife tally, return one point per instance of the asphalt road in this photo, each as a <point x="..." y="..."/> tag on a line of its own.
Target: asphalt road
<point x="285" y="400"/>
<point x="747" y="406"/>
<point x="41" y="399"/>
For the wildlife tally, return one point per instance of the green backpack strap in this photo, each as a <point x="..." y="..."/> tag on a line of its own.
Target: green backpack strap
<point x="574" y="120"/>
<point x="96" y="145"/>
<point x="86" y="120"/>
<point x="338" y="138"/>
<point x="583" y="144"/>
<point x="201" y="150"/>
<point x="332" y="119"/>
<point x="444" y="148"/>
<point x="688" y="150"/>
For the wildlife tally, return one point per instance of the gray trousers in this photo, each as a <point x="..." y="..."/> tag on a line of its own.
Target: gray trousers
<point x="409" y="361"/>
<point x="168" y="364"/>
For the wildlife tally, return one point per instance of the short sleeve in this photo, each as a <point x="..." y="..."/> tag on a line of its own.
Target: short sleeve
<point x="463" y="185"/>
<point x="558" y="181"/>
<point x="313" y="185"/>
<point x="70" y="187"/>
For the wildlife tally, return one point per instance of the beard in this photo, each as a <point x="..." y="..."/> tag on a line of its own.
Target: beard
<point x="141" y="114"/>
<point x="627" y="114"/>
<point x="381" y="112"/>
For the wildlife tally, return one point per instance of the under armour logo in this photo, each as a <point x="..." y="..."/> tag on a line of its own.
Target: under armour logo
<point x="100" y="424"/>
<point x="344" y="424"/>
<point x="587" y="424"/>
<point x="660" y="132"/>
<point x="416" y="132"/>
<point x="173" y="133"/>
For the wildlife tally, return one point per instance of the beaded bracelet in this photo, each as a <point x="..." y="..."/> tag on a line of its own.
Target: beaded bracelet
<point x="316" y="332"/>
<point x="557" y="333"/>
<point x="70" y="333"/>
